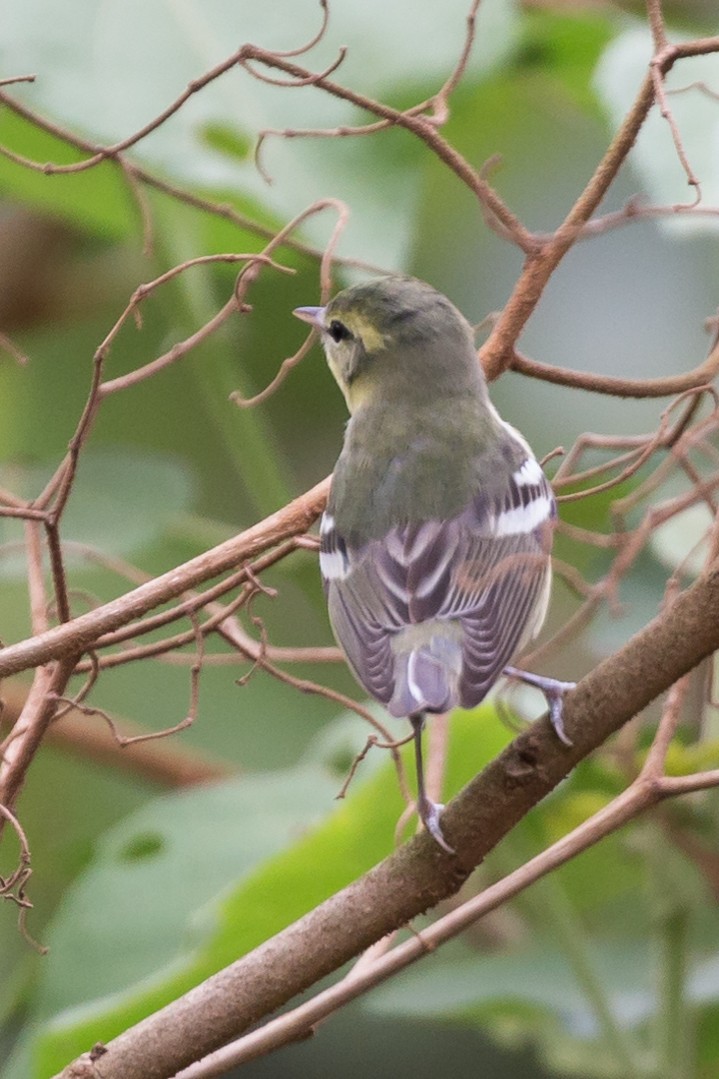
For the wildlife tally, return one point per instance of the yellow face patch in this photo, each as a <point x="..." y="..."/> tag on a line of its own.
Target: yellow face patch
<point x="372" y="339"/>
<point x="358" y="393"/>
<point x="342" y="355"/>
<point x="337" y="374"/>
<point x="355" y="394"/>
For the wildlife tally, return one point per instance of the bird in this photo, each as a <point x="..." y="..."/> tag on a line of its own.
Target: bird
<point x="435" y="545"/>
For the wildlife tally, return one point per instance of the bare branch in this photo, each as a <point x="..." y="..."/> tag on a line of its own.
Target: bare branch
<point x="420" y="874"/>
<point x="168" y="764"/>
<point x="13" y="79"/>
<point x="667" y="386"/>
<point x="76" y="636"/>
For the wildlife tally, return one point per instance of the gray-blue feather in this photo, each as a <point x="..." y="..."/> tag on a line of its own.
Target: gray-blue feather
<point x="430" y="613"/>
<point x="435" y="548"/>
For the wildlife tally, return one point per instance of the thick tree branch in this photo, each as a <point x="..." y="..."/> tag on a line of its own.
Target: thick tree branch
<point x="418" y="875"/>
<point x="376" y="966"/>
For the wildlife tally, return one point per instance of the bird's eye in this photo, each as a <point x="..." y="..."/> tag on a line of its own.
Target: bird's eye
<point x="338" y="331"/>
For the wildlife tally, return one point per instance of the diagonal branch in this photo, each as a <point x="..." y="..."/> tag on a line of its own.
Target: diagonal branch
<point x="496" y="353"/>
<point x="75" y="637"/>
<point x="647" y="790"/>
<point x="419" y="875"/>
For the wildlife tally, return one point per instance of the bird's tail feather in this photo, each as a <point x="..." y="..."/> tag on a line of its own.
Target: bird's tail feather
<point x="426" y="679"/>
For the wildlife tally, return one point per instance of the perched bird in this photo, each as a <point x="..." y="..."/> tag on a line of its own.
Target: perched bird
<point x="435" y="545"/>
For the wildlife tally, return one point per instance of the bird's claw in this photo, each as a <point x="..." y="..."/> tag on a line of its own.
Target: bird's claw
<point x="429" y="813"/>
<point x="555" y="699"/>
<point x="553" y="691"/>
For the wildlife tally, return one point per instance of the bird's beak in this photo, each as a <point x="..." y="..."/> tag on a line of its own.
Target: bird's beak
<point x="314" y="315"/>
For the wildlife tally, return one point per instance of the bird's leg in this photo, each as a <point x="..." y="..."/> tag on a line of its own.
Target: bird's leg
<point x="429" y="811"/>
<point x="553" y="691"/>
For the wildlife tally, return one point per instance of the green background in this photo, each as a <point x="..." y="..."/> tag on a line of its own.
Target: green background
<point x="140" y="892"/>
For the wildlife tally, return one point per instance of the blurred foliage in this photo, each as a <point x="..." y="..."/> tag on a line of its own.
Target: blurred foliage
<point x="141" y="893"/>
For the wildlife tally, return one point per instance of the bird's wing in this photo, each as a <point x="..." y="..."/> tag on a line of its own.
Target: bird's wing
<point x="485" y="570"/>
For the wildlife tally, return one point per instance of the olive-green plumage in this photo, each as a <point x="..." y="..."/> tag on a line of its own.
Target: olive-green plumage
<point x="435" y="543"/>
<point x="422" y="436"/>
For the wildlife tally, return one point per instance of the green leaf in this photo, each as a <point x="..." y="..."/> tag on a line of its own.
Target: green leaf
<point x="567" y="47"/>
<point x="218" y="871"/>
<point x="226" y="140"/>
<point x="97" y="200"/>
<point x="134" y="930"/>
<point x="537" y="976"/>
<point x="531" y="992"/>
<point x="172" y="857"/>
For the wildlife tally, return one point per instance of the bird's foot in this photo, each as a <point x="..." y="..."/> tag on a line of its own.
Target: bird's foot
<point x="553" y="691"/>
<point x="429" y="813"/>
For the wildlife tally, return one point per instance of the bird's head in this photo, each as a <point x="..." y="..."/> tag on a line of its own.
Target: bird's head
<point x="394" y="333"/>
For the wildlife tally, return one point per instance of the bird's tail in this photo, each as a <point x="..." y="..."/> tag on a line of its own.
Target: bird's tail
<point x="426" y="678"/>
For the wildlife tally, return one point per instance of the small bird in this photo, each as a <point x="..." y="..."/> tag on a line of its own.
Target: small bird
<point x="435" y="544"/>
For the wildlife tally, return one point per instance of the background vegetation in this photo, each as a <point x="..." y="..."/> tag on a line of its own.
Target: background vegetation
<point x="157" y="864"/>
